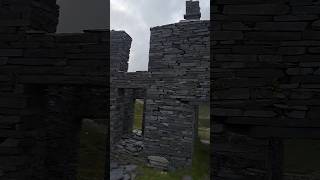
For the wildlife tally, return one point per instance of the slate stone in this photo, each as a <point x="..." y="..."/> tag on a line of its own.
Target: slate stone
<point x="3" y="60"/>
<point x="297" y="17"/>
<point x="158" y="162"/>
<point x="315" y="50"/>
<point x="11" y="52"/>
<point x="314" y="114"/>
<point x="187" y="178"/>
<point x="257" y="9"/>
<point x="259" y="113"/>
<point x="292" y="50"/>
<point x="297" y="114"/>
<point x="227" y="112"/>
<point x="299" y="71"/>
<point x="316" y="24"/>
<point x="235" y="26"/>
<point x="281" y="26"/>
<point x="311" y="35"/>
<point x="305" y="9"/>
<point x="310" y="64"/>
<point x="10" y="143"/>
<point x="274" y="36"/>
<point x="227" y="35"/>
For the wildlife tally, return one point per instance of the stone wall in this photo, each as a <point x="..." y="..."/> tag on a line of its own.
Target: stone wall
<point x="120" y="44"/>
<point x="29" y="14"/>
<point x="266" y="83"/>
<point x="45" y="81"/>
<point x="176" y="82"/>
<point x="179" y="65"/>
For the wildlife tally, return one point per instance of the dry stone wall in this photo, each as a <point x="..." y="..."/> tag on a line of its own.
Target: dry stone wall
<point x="177" y="81"/>
<point x="266" y="83"/>
<point x="120" y="43"/>
<point x="29" y="14"/>
<point x="179" y="66"/>
<point x="46" y="79"/>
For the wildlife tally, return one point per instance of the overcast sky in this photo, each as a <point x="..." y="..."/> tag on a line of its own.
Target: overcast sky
<point x="137" y="16"/>
<point x="78" y="15"/>
<point x="134" y="16"/>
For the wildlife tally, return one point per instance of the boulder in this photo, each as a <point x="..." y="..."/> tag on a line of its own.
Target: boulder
<point x="158" y="162"/>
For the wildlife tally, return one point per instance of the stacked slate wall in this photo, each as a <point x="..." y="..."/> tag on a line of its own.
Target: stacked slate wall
<point x="35" y="62"/>
<point x="120" y="43"/>
<point x="125" y="88"/>
<point x="179" y="68"/>
<point x="266" y="83"/>
<point x="29" y="14"/>
<point x="132" y="86"/>
<point x="45" y="81"/>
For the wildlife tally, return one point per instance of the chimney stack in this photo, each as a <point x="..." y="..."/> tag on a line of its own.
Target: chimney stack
<point x="192" y="10"/>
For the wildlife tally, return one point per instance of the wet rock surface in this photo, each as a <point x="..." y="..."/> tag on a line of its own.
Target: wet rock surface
<point x="158" y="162"/>
<point x="122" y="172"/>
<point x="129" y="149"/>
<point x="125" y="156"/>
<point x="187" y="178"/>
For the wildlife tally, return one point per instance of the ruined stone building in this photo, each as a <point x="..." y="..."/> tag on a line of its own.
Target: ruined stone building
<point x="176" y="83"/>
<point x="266" y="84"/>
<point x="265" y="72"/>
<point x="48" y="83"/>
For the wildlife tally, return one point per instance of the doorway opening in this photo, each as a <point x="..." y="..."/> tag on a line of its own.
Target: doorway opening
<point x="203" y="123"/>
<point x="201" y="151"/>
<point x="139" y="109"/>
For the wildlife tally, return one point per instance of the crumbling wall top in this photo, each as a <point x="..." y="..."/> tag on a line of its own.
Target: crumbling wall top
<point x="192" y="10"/>
<point x="29" y="14"/>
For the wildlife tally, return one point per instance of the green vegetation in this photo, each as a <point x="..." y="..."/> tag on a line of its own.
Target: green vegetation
<point x="200" y="167"/>
<point x="201" y="159"/>
<point x="204" y="133"/>
<point x="138" y="114"/>
<point x="204" y="116"/>
<point x="204" y="122"/>
<point x="302" y="156"/>
<point x="92" y="151"/>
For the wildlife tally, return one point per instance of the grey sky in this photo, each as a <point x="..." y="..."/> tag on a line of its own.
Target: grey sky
<point x="78" y="15"/>
<point x="137" y="16"/>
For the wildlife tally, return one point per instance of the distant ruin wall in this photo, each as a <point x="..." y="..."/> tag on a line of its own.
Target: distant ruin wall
<point x="266" y="81"/>
<point x="120" y="43"/>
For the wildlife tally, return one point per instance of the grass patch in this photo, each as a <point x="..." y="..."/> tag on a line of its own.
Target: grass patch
<point x="302" y="156"/>
<point x="92" y="152"/>
<point x="200" y="164"/>
<point x="204" y="115"/>
<point x="204" y="122"/>
<point x="204" y="133"/>
<point x="138" y="114"/>
<point x="200" y="169"/>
